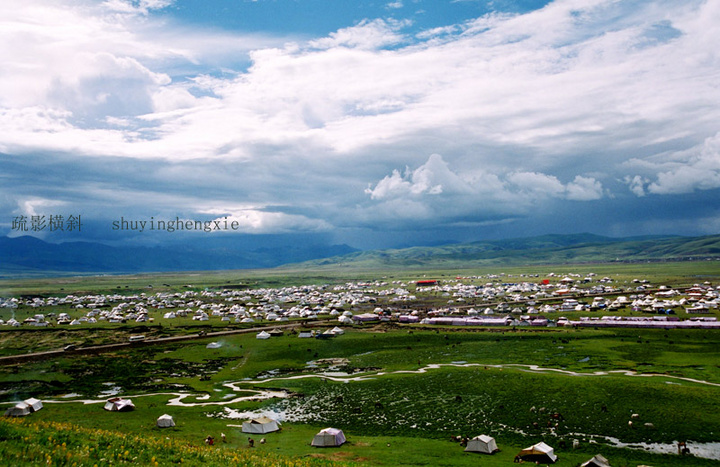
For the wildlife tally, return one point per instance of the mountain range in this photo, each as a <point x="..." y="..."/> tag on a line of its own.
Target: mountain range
<point x="28" y="256"/>
<point x="546" y="249"/>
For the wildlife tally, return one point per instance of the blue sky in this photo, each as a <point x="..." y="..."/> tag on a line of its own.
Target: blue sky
<point x="371" y="123"/>
<point x="315" y="18"/>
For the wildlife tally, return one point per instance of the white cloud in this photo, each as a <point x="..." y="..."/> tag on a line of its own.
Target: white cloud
<point x="536" y="184"/>
<point x="559" y="80"/>
<point x="366" y="35"/>
<point x="584" y="189"/>
<point x="432" y="178"/>
<point x="433" y="189"/>
<point x="257" y="221"/>
<point x="524" y="108"/>
<point x="695" y="169"/>
<point x="636" y="184"/>
<point x="35" y="206"/>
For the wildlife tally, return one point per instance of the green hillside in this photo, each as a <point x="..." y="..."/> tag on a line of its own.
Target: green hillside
<point x="548" y="249"/>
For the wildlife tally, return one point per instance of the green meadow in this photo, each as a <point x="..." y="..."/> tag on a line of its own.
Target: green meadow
<point x="677" y="273"/>
<point x="416" y="389"/>
<point x="401" y="393"/>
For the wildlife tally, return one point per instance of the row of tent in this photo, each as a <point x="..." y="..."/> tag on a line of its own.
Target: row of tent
<point x="328" y="437"/>
<point x="24" y="408"/>
<point x="539" y="452"/>
<point x="333" y="437"/>
<point x="336" y="331"/>
<point x="118" y="404"/>
<point x="28" y="406"/>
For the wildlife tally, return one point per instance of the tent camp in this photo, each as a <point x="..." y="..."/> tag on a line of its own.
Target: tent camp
<point x="328" y="437"/>
<point x="260" y="425"/>
<point x="539" y="452"/>
<point x="21" y="409"/>
<point x="597" y="461"/>
<point x="165" y="421"/>
<point x="483" y="443"/>
<point x="117" y="404"/>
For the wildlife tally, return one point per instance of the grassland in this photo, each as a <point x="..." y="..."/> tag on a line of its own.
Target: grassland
<point x="400" y="392"/>
<point x="409" y="411"/>
<point x="676" y="273"/>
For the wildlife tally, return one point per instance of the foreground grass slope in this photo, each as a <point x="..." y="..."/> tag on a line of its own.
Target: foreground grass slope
<point x="26" y="442"/>
<point x="403" y="411"/>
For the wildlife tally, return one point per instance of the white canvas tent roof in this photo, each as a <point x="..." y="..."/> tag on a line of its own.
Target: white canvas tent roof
<point x="116" y="404"/>
<point x="21" y="409"/>
<point x="597" y="461"/>
<point x="213" y="345"/>
<point x="483" y="443"/>
<point x="260" y="425"/>
<point x="328" y="437"/>
<point x="34" y="404"/>
<point x="539" y="451"/>
<point x="165" y="421"/>
<point x="263" y="335"/>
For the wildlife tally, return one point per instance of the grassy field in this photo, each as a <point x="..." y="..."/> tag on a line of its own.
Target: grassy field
<point x="415" y="413"/>
<point x="676" y="273"/>
<point x="400" y="392"/>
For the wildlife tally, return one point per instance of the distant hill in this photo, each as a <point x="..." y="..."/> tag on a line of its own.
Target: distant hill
<point x="28" y="256"/>
<point x="546" y="249"/>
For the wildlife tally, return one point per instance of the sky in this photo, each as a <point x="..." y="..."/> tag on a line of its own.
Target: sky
<point x="376" y="124"/>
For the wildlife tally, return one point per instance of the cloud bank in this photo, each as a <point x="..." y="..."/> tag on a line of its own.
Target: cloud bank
<point x="505" y="118"/>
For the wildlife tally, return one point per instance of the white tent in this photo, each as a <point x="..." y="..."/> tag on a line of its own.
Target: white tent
<point x="337" y="331"/>
<point x="117" y="404"/>
<point x="483" y="443"/>
<point x="328" y="437"/>
<point x="345" y="320"/>
<point x="213" y="345"/>
<point x="263" y="335"/>
<point x="21" y="409"/>
<point x="260" y="425"/>
<point x="34" y="404"/>
<point x="538" y="452"/>
<point x="165" y="421"/>
<point x="597" y="461"/>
